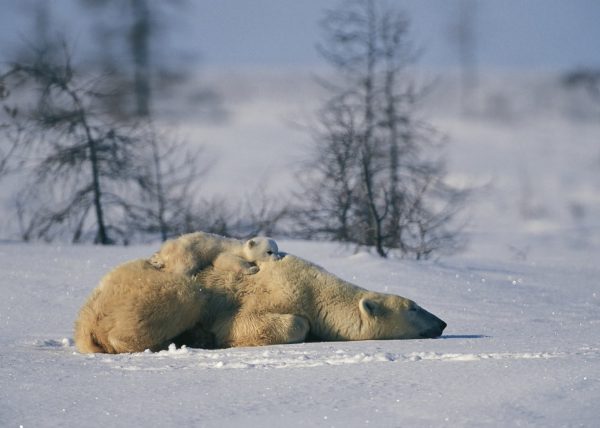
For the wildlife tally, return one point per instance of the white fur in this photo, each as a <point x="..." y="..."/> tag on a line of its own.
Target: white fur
<point x="137" y="306"/>
<point x="190" y="253"/>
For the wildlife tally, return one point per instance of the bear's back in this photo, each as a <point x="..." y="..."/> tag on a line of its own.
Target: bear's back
<point x="273" y="289"/>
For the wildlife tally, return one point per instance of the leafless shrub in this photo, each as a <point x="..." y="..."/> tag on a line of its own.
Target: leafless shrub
<point x="375" y="178"/>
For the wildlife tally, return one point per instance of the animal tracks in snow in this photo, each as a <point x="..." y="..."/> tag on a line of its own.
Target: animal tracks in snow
<point x="288" y="357"/>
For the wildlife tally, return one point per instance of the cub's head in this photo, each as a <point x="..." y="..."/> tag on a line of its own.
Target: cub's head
<point x="387" y="316"/>
<point x="261" y="249"/>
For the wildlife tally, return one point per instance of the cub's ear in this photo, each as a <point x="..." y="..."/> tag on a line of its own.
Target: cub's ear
<point x="251" y="243"/>
<point x="368" y="307"/>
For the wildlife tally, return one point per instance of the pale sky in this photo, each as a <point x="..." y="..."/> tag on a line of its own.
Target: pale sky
<point x="532" y="34"/>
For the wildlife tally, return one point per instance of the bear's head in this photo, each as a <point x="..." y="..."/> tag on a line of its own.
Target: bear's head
<point x="260" y="249"/>
<point x="387" y="316"/>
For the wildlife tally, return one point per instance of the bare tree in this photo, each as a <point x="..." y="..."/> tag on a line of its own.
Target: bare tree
<point x="13" y="137"/>
<point x="587" y="78"/>
<point x="133" y="49"/>
<point x="139" y="35"/>
<point x="262" y="215"/>
<point x="92" y="160"/>
<point x="374" y="179"/>
<point x="463" y="34"/>
<point x="329" y="176"/>
<point x="15" y="133"/>
<point x="169" y="181"/>
<point x="82" y="157"/>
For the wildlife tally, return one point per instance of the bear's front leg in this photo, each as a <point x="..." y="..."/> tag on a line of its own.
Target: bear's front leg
<point x="267" y="329"/>
<point x="232" y="263"/>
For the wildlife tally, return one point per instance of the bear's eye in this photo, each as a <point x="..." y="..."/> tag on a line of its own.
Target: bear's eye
<point x="269" y="252"/>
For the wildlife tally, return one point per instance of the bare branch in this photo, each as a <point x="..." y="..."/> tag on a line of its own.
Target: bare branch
<point x="372" y="180"/>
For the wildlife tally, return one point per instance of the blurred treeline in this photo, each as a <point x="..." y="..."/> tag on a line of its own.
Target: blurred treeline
<point x="82" y="135"/>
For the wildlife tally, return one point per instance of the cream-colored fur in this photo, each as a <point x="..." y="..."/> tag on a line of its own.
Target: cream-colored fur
<point x="137" y="307"/>
<point x="292" y="299"/>
<point x="192" y="252"/>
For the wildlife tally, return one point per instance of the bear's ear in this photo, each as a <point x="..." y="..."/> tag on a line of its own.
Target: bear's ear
<point x="156" y="261"/>
<point x="251" y="243"/>
<point x="368" y="307"/>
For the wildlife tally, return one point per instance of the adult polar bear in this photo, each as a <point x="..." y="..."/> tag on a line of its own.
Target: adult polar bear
<point x="138" y="307"/>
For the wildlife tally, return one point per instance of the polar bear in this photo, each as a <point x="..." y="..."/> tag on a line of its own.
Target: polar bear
<point x="138" y="307"/>
<point x="190" y="253"/>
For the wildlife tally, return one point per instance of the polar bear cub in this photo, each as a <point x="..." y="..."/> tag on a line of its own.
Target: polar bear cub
<point x="190" y="253"/>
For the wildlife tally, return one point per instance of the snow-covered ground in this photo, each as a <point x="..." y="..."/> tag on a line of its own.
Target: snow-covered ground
<point x="522" y="347"/>
<point x="522" y="303"/>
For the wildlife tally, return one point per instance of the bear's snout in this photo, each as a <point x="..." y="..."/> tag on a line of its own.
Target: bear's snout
<point x="432" y="325"/>
<point x="436" y="330"/>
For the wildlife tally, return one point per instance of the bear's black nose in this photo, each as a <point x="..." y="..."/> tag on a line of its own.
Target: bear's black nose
<point x="435" y="331"/>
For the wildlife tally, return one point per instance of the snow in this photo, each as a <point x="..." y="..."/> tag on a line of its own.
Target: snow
<point x="522" y="303"/>
<point x="522" y="347"/>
